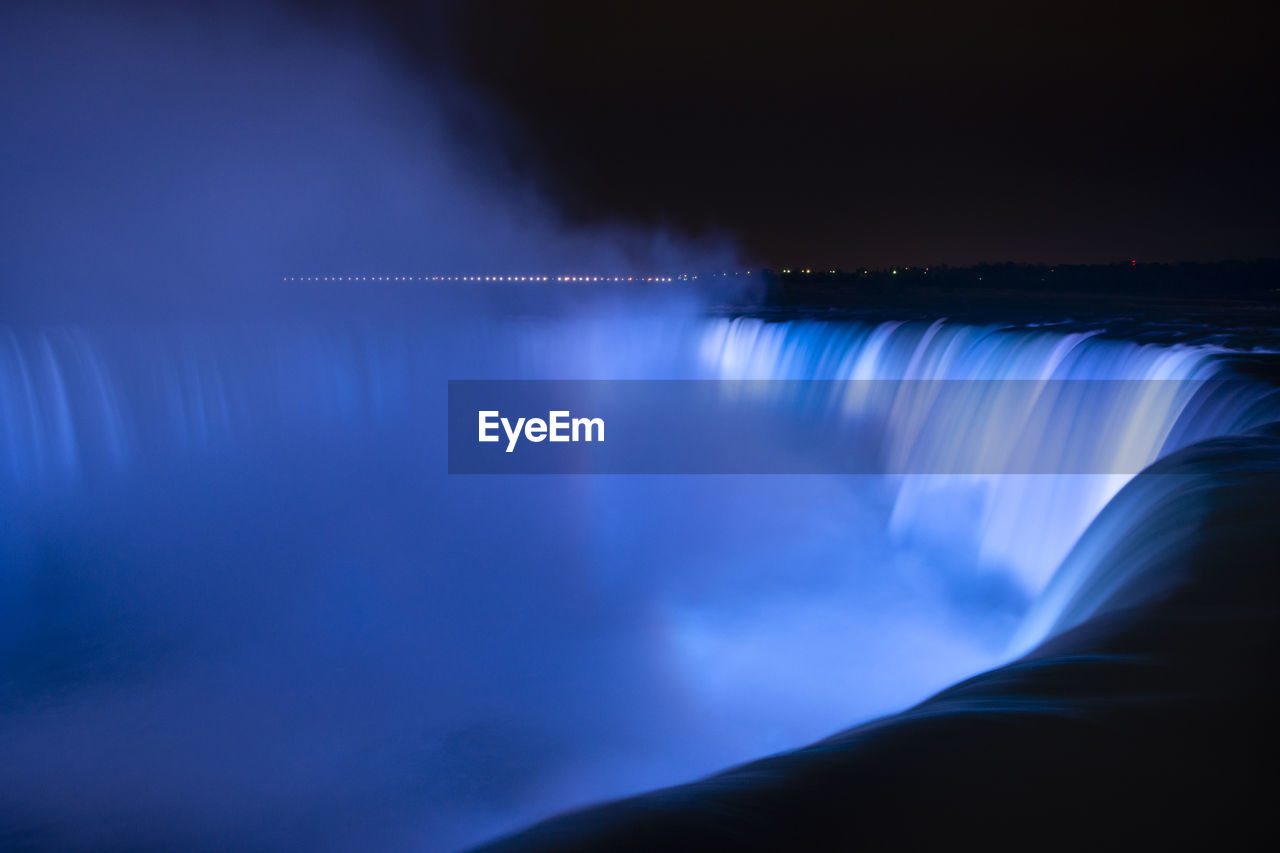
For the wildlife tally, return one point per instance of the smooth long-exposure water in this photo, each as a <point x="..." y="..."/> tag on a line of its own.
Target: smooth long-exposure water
<point x="244" y="604"/>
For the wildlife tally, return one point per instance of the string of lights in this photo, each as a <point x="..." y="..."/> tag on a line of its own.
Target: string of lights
<point x="657" y="279"/>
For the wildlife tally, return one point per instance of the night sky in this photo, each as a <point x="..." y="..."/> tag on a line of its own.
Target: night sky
<point x="849" y="134"/>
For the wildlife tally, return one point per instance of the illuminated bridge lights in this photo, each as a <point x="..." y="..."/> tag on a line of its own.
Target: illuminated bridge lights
<point x="593" y="279"/>
<point x="652" y="279"/>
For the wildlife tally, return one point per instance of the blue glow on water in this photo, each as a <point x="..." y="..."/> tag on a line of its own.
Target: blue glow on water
<point x="1025" y="521"/>
<point x="242" y="606"/>
<point x="236" y="572"/>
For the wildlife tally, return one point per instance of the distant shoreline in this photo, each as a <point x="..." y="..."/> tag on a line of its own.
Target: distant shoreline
<point x="1168" y="286"/>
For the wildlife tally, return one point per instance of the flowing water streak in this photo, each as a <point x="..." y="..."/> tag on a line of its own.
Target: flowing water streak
<point x="1025" y="521"/>
<point x="74" y="402"/>
<point x="764" y="612"/>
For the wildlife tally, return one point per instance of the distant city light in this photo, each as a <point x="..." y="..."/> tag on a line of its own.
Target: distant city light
<point x="527" y="277"/>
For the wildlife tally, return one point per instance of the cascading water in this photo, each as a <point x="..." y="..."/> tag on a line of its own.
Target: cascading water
<point x="249" y="529"/>
<point x="243" y="605"/>
<point x="1026" y="521"/>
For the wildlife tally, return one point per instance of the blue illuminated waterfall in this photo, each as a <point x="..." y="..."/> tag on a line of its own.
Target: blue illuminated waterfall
<point x="1030" y="521"/>
<point x="76" y="402"/>
<point x="267" y="505"/>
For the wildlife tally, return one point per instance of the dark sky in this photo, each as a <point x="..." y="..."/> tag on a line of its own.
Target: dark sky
<point x="847" y="134"/>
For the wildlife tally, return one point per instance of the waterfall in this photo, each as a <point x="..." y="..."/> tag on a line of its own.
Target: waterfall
<point x="1029" y="521"/>
<point x="217" y="518"/>
<point x="76" y="401"/>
